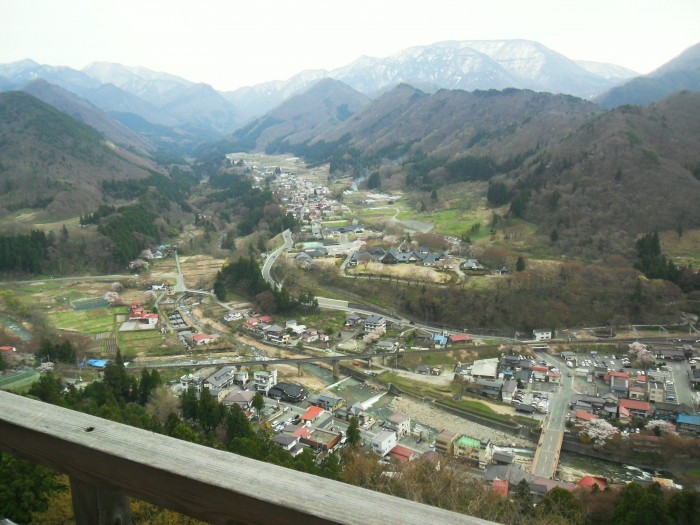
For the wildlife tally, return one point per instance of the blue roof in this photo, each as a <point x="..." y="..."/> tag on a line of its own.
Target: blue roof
<point x="689" y="419"/>
<point x="440" y="339"/>
<point x="97" y="363"/>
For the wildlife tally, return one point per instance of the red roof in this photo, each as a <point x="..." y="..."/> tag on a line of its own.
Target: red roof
<point x="619" y="374"/>
<point x="538" y="368"/>
<point x="312" y="413"/>
<point x="587" y="482"/>
<point x="265" y="319"/>
<point x="460" y="338"/>
<point x="302" y="431"/>
<point x="500" y="487"/>
<point x="8" y="348"/>
<point x="633" y="404"/>
<point x="585" y="416"/>
<point x="203" y="337"/>
<point x="403" y="454"/>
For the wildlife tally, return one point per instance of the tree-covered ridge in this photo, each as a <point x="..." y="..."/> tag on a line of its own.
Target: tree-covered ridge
<point x="175" y="187"/>
<point x="131" y="230"/>
<point x="244" y="277"/>
<point x="23" y="252"/>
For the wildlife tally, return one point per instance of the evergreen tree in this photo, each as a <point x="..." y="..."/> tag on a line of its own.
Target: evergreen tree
<point x="353" y="436"/>
<point x="520" y="265"/>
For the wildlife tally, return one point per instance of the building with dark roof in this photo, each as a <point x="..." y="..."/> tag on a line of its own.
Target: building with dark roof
<point x="288" y="392"/>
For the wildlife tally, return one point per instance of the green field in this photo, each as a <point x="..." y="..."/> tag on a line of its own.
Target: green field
<point x="18" y="381"/>
<point x="93" y="321"/>
<point x="146" y="341"/>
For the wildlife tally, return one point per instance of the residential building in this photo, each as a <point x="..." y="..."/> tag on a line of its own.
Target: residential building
<point x="656" y="391"/>
<point x="312" y="414"/>
<point x="542" y="335"/>
<point x="383" y="442"/>
<point x="327" y="402"/>
<point x="459" y="339"/>
<point x="688" y="424"/>
<point x="204" y="339"/>
<point x="375" y="322"/>
<point x="242" y="398"/>
<point x="321" y="439"/>
<point x="288" y="392"/>
<point x="630" y="408"/>
<point x="473" y="450"/>
<point x="444" y="442"/>
<point x="288" y="443"/>
<point x="221" y="378"/>
<point x="490" y="387"/>
<point x="485" y="369"/>
<point x="276" y="334"/>
<point x="264" y="380"/>
<point x="402" y="454"/>
<point x="399" y="423"/>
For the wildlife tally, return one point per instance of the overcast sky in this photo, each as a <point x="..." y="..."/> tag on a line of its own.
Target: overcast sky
<point x="234" y="43"/>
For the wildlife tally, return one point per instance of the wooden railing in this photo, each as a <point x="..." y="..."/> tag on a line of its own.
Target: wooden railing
<point x="108" y="462"/>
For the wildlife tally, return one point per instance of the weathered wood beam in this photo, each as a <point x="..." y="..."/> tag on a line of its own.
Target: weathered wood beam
<point x="207" y="484"/>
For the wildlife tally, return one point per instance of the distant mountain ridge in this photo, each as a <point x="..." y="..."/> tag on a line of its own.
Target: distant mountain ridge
<point x="681" y="73"/>
<point x="54" y="163"/>
<point x="467" y="65"/>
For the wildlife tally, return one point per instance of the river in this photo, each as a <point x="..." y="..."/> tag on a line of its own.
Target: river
<point x="15" y="327"/>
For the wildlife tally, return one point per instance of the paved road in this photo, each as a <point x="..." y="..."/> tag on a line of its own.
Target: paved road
<point x="271" y="258"/>
<point x="547" y="453"/>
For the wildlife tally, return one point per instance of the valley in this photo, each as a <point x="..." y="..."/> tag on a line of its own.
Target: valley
<point x="502" y="279"/>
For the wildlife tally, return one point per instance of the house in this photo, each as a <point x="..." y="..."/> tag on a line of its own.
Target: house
<point x="402" y="454"/>
<point x="221" y="378"/>
<point x="508" y="390"/>
<point x="485" y="369"/>
<point x="444" y="442"/>
<point x="490" y="387"/>
<point x="656" y="391"/>
<point x="321" y="439"/>
<point x="542" y="335"/>
<point x="398" y="423"/>
<point x="582" y="416"/>
<point x="276" y="334"/>
<point x="501" y="458"/>
<point x="375" y="322"/>
<point x="288" y="392"/>
<point x="440" y="340"/>
<point x="472" y="264"/>
<point x="204" y="339"/>
<point x="669" y="411"/>
<point x="637" y="392"/>
<point x="352" y="319"/>
<point x="312" y="414"/>
<point x="242" y="398"/>
<point x="459" y="339"/>
<point x="264" y="380"/>
<point x="383" y="442"/>
<point x="7" y="349"/>
<point x="688" y="424"/>
<point x="619" y="384"/>
<point x="630" y="408"/>
<point x="477" y="452"/>
<point x="327" y="402"/>
<point x="288" y="443"/>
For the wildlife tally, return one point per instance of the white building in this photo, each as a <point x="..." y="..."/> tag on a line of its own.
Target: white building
<point x="383" y="442"/>
<point x="375" y="322"/>
<point x="542" y="335"/>
<point x="399" y="423"/>
<point x="264" y="380"/>
<point x="485" y="369"/>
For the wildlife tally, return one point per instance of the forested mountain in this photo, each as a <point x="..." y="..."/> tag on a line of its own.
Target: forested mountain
<point x="302" y="117"/>
<point x="681" y="73"/>
<point x="82" y="110"/>
<point x="53" y="163"/>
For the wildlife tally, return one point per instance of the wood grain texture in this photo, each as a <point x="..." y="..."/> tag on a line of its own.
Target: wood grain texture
<point x="211" y="485"/>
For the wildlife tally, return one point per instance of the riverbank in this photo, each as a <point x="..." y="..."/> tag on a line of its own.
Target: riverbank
<point x="431" y="415"/>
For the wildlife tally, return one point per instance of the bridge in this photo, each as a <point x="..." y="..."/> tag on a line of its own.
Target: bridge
<point x="107" y="462"/>
<point x="335" y="360"/>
